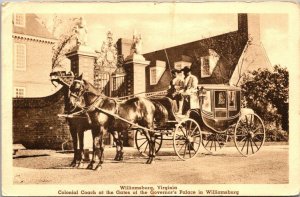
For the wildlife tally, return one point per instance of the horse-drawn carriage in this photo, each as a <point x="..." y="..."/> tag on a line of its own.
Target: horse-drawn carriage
<point x="218" y="119"/>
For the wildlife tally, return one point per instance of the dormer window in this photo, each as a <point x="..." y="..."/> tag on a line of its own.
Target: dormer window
<point x="19" y="20"/>
<point x="157" y="72"/>
<point x="208" y="63"/>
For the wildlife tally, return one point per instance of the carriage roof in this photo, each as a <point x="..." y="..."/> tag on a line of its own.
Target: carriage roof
<point x="219" y="87"/>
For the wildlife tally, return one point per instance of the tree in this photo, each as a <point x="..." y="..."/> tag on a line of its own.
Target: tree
<point x="61" y="28"/>
<point x="267" y="94"/>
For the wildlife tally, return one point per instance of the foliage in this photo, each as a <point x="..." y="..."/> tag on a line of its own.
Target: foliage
<point x="267" y="94"/>
<point x="61" y="28"/>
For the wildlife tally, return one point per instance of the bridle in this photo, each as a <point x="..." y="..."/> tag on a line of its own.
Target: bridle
<point x="83" y="91"/>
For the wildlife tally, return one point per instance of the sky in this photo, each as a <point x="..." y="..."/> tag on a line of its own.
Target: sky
<point x="165" y="30"/>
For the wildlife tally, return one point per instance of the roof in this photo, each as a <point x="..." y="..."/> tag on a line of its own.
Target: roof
<point x="218" y="87"/>
<point x="33" y="27"/>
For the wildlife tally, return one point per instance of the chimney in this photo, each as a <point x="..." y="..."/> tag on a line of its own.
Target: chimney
<point x="124" y="47"/>
<point x="250" y="24"/>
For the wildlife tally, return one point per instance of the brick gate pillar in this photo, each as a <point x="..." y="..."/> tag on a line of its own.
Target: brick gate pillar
<point x="82" y="62"/>
<point x="135" y="68"/>
<point x="136" y="73"/>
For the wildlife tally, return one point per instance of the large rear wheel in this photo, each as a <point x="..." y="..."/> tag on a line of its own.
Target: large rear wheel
<point x="187" y="139"/>
<point x="249" y="134"/>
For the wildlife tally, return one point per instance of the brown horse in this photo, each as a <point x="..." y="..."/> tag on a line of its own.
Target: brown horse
<point x="141" y="111"/>
<point x="87" y="97"/>
<point x="78" y="124"/>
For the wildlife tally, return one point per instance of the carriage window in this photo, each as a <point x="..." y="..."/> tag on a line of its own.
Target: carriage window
<point x="220" y="99"/>
<point x="206" y="106"/>
<point x="232" y="99"/>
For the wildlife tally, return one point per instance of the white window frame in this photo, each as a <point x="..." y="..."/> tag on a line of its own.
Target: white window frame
<point x="153" y="81"/>
<point x="204" y="75"/>
<point x="19" y="88"/>
<point x="16" y="56"/>
<point x="15" y="20"/>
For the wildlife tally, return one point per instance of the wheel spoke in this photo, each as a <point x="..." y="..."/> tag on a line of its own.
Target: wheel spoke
<point x="146" y="147"/>
<point x="184" y="150"/>
<point x="211" y="145"/>
<point x="251" y="146"/>
<point x="142" y="139"/>
<point x="182" y="132"/>
<point x="247" y="145"/>
<point x="243" y="139"/>
<point x="255" y="144"/>
<point x="243" y="145"/>
<point x="218" y="142"/>
<point x="190" y="150"/>
<point x="143" y="144"/>
<point x="181" y="148"/>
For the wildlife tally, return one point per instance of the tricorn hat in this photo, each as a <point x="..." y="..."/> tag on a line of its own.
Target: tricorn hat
<point x="186" y="69"/>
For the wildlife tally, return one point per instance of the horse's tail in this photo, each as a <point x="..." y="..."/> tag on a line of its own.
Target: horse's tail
<point x="160" y="113"/>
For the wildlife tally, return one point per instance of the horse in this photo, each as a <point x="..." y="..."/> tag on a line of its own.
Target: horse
<point x="139" y="111"/>
<point x="78" y="124"/>
<point x="87" y="97"/>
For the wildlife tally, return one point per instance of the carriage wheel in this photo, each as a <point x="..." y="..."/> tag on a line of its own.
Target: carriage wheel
<point x="187" y="139"/>
<point x="249" y="134"/>
<point x="142" y="144"/>
<point x="213" y="142"/>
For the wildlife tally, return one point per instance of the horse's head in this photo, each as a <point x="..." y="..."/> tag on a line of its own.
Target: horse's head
<point x="76" y="94"/>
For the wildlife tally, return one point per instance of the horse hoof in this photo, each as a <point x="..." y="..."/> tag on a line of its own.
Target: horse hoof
<point x="90" y="167"/>
<point x="73" y="164"/>
<point x="98" y="167"/>
<point x="80" y="165"/>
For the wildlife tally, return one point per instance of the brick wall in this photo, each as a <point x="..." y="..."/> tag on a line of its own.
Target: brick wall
<point x="36" y="124"/>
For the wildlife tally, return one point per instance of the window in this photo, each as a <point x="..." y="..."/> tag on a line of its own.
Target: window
<point x="205" y="69"/>
<point x="153" y="76"/>
<point x="19" y="20"/>
<point x="232" y="99"/>
<point x="20" y="56"/>
<point x="208" y="63"/>
<point x="220" y="99"/>
<point x="19" y="92"/>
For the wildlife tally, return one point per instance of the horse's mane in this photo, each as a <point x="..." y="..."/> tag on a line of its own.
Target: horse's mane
<point x="91" y="88"/>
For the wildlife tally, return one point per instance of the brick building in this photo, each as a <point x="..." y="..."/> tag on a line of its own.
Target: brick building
<point x="32" y="53"/>
<point x="221" y="59"/>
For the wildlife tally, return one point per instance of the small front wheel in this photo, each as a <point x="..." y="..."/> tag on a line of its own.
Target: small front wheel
<point x="142" y="144"/>
<point x="187" y="139"/>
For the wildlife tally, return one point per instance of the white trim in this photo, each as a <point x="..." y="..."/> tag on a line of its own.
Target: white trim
<point x="24" y="20"/>
<point x="34" y="38"/>
<point x="20" y="88"/>
<point x="15" y="57"/>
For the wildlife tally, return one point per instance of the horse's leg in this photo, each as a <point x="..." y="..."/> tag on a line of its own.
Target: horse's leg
<point x="94" y="134"/>
<point x="119" y="145"/>
<point x="148" y="137"/>
<point x="121" y="140"/>
<point x="152" y="147"/>
<point x="99" y="147"/>
<point x="74" y="139"/>
<point x="115" y="136"/>
<point x="81" y="145"/>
